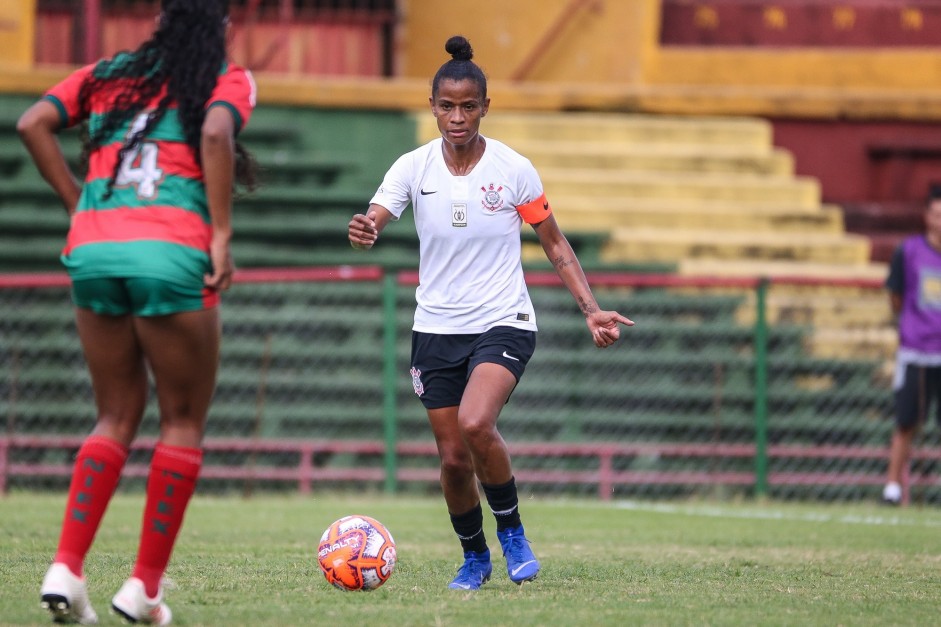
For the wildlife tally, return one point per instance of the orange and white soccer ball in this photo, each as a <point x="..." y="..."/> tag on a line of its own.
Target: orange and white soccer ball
<point x="357" y="553"/>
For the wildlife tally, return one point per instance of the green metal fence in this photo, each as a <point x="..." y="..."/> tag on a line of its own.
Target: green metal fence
<point x="716" y="391"/>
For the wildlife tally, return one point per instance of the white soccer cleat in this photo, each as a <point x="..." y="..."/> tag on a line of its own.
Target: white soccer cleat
<point x="132" y="603"/>
<point x="892" y="493"/>
<point x="66" y="597"/>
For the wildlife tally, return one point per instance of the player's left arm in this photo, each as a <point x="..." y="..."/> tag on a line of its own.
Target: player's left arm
<point x="227" y="112"/>
<point x="236" y="91"/>
<point x="602" y="324"/>
<point x="217" y="152"/>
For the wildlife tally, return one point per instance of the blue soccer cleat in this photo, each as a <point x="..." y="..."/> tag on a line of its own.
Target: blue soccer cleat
<point x="521" y="564"/>
<point x="474" y="573"/>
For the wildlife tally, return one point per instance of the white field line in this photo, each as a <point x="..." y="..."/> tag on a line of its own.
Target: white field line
<point x="770" y="514"/>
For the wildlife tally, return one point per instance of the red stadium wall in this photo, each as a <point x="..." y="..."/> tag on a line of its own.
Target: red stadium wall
<point x="878" y="172"/>
<point x="801" y="23"/>
<point x="343" y="42"/>
<point x="865" y="161"/>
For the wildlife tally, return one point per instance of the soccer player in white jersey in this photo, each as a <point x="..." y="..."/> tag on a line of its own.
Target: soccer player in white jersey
<point x="475" y="328"/>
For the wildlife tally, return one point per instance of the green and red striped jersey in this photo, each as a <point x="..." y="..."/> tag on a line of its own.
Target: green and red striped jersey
<point x="156" y="222"/>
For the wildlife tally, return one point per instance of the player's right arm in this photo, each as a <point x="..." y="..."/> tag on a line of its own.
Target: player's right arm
<point x="59" y="108"/>
<point x="37" y="128"/>
<point x="895" y="282"/>
<point x="386" y="204"/>
<point x="364" y="229"/>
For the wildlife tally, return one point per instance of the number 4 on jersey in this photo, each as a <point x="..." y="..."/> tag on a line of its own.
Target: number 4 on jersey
<point x="139" y="167"/>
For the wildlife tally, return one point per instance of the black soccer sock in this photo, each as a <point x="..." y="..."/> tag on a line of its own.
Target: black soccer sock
<point x="504" y="503"/>
<point x="469" y="527"/>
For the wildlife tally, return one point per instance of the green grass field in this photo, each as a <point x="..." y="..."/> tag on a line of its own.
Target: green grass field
<point x="252" y="562"/>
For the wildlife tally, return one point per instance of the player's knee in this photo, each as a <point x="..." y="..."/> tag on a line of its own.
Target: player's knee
<point x="456" y="468"/>
<point x="189" y="434"/>
<point x="115" y="427"/>
<point x="182" y="418"/>
<point x="476" y="428"/>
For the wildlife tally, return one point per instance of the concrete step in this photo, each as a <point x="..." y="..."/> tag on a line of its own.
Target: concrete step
<point x="615" y="159"/>
<point x="865" y="272"/>
<point x="618" y="157"/>
<point x="757" y="190"/>
<point x="511" y="127"/>
<point x="632" y="245"/>
<point x="709" y="206"/>
<point x="831" y="308"/>
<point x="608" y="147"/>
<point x="864" y="343"/>
<point x="831" y="312"/>
<point x="579" y="213"/>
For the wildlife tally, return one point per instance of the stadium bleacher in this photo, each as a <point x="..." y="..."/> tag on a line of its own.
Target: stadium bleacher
<point x="679" y="189"/>
<point x="314" y="174"/>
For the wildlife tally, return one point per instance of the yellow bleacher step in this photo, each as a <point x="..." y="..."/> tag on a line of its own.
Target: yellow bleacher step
<point x="831" y="312"/>
<point x="621" y="127"/>
<point x="512" y="127"/>
<point x="579" y="201"/>
<point x="633" y="245"/>
<point x="604" y="215"/>
<point x="756" y="268"/>
<point x="757" y="190"/>
<point x="641" y="159"/>
<point x="609" y="148"/>
<point x="826" y="311"/>
<point x="862" y="343"/>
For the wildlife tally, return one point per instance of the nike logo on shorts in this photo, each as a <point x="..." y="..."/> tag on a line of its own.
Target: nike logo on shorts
<point x="424" y="193"/>
<point x="510" y="356"/>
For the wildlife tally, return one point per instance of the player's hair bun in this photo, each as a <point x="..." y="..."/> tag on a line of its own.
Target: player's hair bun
<point x="459" y="48"/>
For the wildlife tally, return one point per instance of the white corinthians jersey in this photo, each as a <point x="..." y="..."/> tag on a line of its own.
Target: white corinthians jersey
<point x="470" y="271"/>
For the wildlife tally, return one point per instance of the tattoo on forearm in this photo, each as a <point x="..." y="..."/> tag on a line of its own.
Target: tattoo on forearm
<point x="561" y="262"/>
<point x="586" y="307"/>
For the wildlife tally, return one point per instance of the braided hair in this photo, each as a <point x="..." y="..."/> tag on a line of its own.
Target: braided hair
<point x="460" y="67"/>
<point x="186" y="54"/>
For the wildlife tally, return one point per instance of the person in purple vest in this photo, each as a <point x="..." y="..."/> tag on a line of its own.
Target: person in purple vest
<point x="914" y="284"/>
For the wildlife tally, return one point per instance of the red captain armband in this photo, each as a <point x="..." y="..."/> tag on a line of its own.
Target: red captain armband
<point x="535" y="211"/>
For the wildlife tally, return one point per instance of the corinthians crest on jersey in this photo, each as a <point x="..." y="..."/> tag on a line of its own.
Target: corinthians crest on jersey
<point x="492" y="199"/>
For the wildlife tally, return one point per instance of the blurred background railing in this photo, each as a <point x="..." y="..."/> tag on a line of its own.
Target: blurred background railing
<point x="703" y="397"/>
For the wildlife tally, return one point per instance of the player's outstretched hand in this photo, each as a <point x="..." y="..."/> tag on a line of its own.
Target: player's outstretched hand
<point x="604" y="327"/>
<point x="362" y="231"/>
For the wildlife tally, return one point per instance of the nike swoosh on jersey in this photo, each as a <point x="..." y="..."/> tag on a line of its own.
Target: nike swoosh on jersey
<point x="510" y="356"/>
<point x="424" y="193"/>
<point x="522" y="566"/>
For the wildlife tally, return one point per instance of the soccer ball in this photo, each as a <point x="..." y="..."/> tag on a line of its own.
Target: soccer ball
<point x="356" y="553"/>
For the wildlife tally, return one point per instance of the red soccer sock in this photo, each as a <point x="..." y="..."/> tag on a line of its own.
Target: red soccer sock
<point x="94" y="478"/>
<point x="172" y="480"/>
